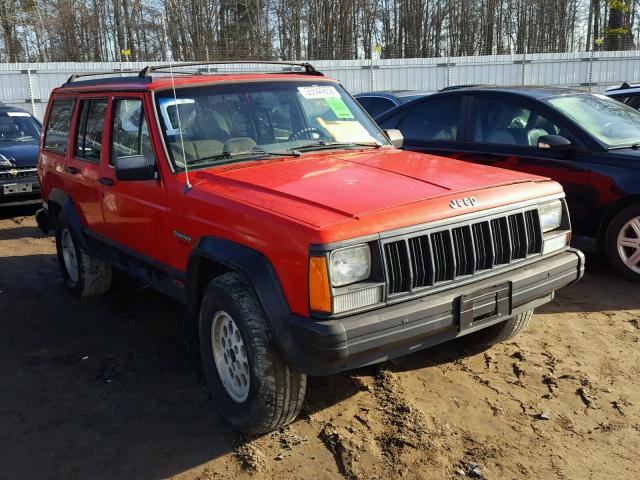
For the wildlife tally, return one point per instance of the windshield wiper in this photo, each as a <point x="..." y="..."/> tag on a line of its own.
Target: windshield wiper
<point x="322" y="145"/>
<point x="634" y="146"/>
<point x="245" y="155"/>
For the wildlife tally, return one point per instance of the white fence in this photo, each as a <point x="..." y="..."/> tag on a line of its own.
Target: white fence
<point x="29" y="85"/>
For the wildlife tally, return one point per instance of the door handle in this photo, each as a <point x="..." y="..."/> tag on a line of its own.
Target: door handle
<point x="107" y="181"/>
<point x="72" y="170"/>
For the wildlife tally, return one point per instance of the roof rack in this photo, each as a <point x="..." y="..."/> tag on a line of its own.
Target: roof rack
<point x="626" y="85"/>
<point x="308" y="68"/>
<point x="145" y="73"/>
<point x="75" y="76"/>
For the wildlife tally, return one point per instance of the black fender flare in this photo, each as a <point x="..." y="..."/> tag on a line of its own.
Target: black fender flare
<point x="65" y="203"/>
<point x="264" y="281"/>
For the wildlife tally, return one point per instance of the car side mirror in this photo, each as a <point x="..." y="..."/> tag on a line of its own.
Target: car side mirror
<point x="134" y="167"/>
<point x="395" y="137"/>
<point x="555" y="143"/>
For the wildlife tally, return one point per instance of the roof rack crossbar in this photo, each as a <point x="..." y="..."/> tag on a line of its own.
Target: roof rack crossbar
<point x="75" y="76"/>
<point x="308" y="68"/>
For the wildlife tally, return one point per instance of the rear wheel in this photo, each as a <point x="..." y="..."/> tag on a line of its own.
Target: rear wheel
<point x="253" y="387"/>
<point x="622" y="242"/>
<point x="83" y="275"/>
<point x="501" y="331"/>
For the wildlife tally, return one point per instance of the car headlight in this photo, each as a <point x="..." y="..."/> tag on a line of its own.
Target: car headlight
<point x="550" y="215"/>
<point x="349" y="265"/>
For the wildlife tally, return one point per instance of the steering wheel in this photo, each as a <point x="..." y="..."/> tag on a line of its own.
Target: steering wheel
<point x="308" y="131"/>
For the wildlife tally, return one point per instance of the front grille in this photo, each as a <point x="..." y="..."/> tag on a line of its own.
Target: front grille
<point x="18" y="172"/>
<point x="397" y="266"/>
<point x="427" y="259"/>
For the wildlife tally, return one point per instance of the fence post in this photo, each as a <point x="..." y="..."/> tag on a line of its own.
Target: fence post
<point x="524" y="66"/>
<point x="31" y="99"/>
<point x="371" y="80"/>
<point x="448" y="71"/>
<point x="590" y="80"/>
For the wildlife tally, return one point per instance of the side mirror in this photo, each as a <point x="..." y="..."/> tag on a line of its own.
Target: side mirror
<point x="395" y="137"/>
<point x="134" y="167"/>
<point x="555" y="143"/>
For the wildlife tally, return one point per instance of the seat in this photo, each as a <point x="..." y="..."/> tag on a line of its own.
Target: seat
<point x="9" y="130"/>
<point x="196" y="149"/>
<point x="501" y="136"/>
<point x="239" y="144"/>
<point x="537" y="129"/>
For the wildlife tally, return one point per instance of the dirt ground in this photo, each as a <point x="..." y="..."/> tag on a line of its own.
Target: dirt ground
<point x="112" y="388"/>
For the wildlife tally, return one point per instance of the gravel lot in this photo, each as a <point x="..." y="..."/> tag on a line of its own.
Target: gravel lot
<point x="112" y="388"/>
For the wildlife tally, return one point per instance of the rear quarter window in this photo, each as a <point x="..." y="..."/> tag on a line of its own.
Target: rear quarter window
<point x="59" y="125"/>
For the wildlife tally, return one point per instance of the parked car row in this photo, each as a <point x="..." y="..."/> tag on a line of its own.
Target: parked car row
<point x="587" y="142"/>
<point x="277" y="211"/>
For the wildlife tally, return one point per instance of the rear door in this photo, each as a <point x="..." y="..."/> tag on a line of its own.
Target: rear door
<point x="504" y="131"/>
<point x="134" y="210"/>
<point x="82" y="169"/>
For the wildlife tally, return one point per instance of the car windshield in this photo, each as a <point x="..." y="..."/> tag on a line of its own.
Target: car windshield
<point x="18" y="127"/>
<point x="250" y="121"/>
<point x="609" y="121"/>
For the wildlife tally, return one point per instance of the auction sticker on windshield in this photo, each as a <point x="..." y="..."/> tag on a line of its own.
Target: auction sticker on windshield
<point x="339" y="108"/>
<point x="318" y="91"/>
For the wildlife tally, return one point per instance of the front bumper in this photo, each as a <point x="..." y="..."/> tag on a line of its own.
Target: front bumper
<point x="332" y="346"/>
<point x="11" y="196"/>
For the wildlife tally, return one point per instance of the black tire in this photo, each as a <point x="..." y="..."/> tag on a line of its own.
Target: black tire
<point x="611" y="242"/>
<point x="93" y="276"/>
<point x="500" y="331"/>
<point x="275" y="391"/>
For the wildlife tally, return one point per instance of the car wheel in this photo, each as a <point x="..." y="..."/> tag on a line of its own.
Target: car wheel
<point x="252" y="386"/>
<point x="622" y="242"/>
<point x="500" y="331"/>
<point x="83" y="275"/>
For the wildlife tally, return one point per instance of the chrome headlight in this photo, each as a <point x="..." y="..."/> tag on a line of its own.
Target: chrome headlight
<point x="350" y="265"/>
<point x="550" y="215"/>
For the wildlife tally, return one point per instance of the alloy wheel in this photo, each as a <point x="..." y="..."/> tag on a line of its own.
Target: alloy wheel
<point x="230" y="356"/>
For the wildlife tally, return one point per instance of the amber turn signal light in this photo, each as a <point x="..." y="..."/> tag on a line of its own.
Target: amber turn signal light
<point x="319" y="294"/>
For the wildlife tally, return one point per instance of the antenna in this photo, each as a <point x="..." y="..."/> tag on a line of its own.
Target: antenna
<point x="187" y="186"/>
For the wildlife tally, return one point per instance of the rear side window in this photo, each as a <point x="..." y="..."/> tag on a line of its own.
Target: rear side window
<point x="57" y="133"/>
<point x="130" y="134"/>
<point x="433" y="120"/>
<point x="90" y="127"/>
<point x="379" y="105"/>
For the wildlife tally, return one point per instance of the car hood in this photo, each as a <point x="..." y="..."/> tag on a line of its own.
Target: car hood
<point x="19" y="154"/>
<point x="320" y="188"/>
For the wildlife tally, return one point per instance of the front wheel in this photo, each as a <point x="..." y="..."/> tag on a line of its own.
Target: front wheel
<point x="622" y="242"/>
<point x="252" y="386"/>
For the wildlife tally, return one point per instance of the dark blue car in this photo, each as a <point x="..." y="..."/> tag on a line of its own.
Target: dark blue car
<point x="376" y="103"/>
<point x="19" y="137"/>
<point x="587" y="142"/>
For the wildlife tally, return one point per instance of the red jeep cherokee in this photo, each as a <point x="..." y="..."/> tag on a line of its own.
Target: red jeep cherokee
<point x="306" y="243"/>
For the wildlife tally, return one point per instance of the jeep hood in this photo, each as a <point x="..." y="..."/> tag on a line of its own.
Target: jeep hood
<point x="323" y="188"/>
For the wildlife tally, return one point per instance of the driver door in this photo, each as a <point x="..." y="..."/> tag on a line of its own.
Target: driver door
<point x="134" y="210"/>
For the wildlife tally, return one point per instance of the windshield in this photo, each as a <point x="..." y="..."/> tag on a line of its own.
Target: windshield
<point x="18" y="127"/>
<point x="609" y="121"/>
<point x="250" y="121"/>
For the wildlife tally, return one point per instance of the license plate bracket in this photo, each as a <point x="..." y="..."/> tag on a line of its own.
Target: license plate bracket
<point x="485" y="305"/>
<point x="16" y="188"/>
